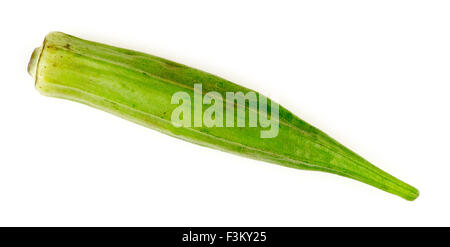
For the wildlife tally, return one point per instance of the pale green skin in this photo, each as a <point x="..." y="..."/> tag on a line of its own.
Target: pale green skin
<point x="139" y="87"/>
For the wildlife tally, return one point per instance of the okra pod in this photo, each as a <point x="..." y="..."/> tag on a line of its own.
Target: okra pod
<point x="195" y="106"/>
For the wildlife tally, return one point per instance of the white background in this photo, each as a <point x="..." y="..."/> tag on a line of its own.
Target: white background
<point x="375" y="75"/>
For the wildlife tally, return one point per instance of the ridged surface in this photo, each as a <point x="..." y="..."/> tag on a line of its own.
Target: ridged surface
<point x="139" y="87"/>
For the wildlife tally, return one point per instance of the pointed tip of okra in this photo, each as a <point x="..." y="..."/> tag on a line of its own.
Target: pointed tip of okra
<point x="396" y="186"/>
<point x="414" y="193"/>
<point x="402" y="189"/>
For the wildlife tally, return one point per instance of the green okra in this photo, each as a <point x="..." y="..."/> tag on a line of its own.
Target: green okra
<point x="142" y="88"/>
